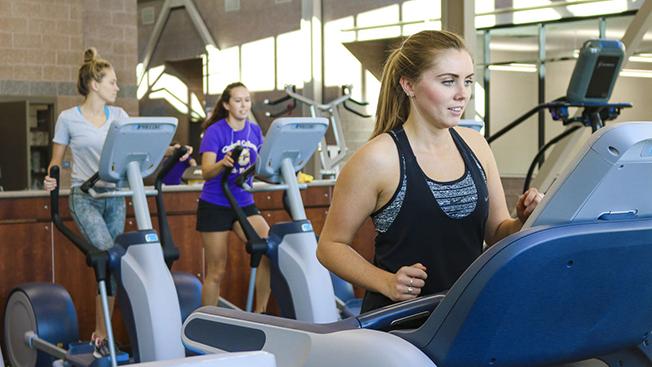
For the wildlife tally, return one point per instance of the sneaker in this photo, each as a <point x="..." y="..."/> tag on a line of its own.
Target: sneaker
<point x="101" y="346"/>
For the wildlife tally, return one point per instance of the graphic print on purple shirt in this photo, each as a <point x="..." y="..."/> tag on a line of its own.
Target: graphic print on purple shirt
<point x="220" y="139"/>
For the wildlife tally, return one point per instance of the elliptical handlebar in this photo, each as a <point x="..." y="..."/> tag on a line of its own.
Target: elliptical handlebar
<point x="292" y="95"/>
<point x="288" y="108"/>
<point x="95" y="258"/>
<point x="276" y="101"/>
<point x="559" y="111"/>
<point x="346" y="91"/>
<point x="88" y="184"/>
<point x="291" y="92"/>
<point x="168" y="164"/>
<point x="170" y="250"/>
<point x="256" y="246"/>
<point x="346" y="107"/>
<point x="242" y="178"/>
<point x="519" y="120"/>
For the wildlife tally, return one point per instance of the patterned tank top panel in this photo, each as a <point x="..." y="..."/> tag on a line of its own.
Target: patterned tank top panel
<point x="456" y="198"/>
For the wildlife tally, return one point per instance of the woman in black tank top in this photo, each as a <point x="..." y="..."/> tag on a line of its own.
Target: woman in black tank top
<point x="432" y="189"/>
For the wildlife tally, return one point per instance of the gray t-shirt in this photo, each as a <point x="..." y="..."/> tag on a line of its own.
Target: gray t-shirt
<point x="85" y="140"/>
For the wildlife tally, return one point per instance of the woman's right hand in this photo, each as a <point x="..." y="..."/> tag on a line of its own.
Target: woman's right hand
<point x="227" y="161"/>
<point x="49" y="183"/>
<point x="406" y="283"/>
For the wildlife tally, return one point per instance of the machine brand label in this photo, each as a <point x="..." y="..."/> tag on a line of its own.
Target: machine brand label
<point x="147" y="127"/>
<point x="151" y="237"/>
<point x="306" y="227"/>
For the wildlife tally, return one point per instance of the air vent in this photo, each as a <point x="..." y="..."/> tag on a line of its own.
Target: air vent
<point x="147" y="15"/>
<point x="231" y="5"/>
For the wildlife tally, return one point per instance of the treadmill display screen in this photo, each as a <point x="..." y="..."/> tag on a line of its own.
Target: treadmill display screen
<point x="603" y="74"/>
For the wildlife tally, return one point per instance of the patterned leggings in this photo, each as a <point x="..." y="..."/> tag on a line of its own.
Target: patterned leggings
<point x="99" y="220"/>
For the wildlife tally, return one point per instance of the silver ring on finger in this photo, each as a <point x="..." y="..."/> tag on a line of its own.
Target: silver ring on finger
<point x="409" y="291"/>
<point x="411" y="282"/>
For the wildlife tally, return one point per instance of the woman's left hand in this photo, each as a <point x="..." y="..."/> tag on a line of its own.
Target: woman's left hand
<point x="527" y="202"/>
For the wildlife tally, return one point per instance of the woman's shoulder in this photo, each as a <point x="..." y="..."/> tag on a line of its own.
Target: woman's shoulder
<point x="471" y="137"/>
<point x="255" y="127"/>
<point x="70" y="113"/>
<point x="117" y="112"/>
<point x="69" y="117"/>
<point x="374" y="167"/>
<point x="215" y="130"/>
<point x="377" y="154"/>
<point x="476" y="142"/>
<point x="216" y="126"/>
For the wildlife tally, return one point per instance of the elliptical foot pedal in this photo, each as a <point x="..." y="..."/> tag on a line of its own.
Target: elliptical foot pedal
<point x="81" y="354"/>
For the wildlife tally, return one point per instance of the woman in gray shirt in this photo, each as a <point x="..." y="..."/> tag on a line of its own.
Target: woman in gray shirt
<point x="84" y="128"/>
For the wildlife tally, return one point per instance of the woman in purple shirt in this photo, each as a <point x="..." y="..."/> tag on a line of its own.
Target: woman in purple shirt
<point x="226" y="128"/>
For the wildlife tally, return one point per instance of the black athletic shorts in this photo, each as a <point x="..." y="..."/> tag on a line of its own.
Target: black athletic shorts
<point x="216" y="218"/>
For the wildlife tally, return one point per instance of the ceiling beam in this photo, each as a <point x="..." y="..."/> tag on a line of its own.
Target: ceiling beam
<point x="637" y="29"/>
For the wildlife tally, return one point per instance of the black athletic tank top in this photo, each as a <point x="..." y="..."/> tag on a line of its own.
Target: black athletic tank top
<point x="439" y="224"/>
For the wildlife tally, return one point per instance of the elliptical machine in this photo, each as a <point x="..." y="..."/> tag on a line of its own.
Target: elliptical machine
<point x="40" y="316"/>
<point x="301" y="284"/>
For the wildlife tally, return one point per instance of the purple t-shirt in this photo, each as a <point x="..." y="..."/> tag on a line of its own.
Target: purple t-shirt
<point x="220" y="138"/>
